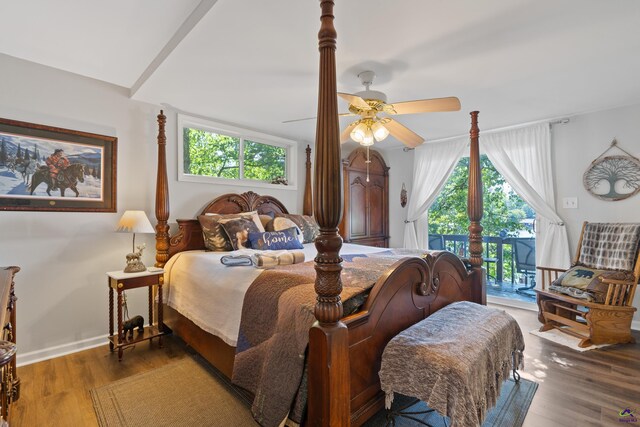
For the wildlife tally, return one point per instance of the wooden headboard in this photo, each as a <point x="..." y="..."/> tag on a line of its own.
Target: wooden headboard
<point x="246" y="202"/>
<point x="189" y="235"/>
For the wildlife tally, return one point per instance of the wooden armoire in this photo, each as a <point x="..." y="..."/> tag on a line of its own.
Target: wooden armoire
<point x="365" y="219"/>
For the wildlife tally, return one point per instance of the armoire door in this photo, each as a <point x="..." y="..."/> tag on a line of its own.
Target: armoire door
<point x="376" y="204"/>
<point x="358" y="203"/>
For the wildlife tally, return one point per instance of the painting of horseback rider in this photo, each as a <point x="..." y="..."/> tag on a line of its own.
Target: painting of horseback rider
<point x="45" y="168"/>
<point x="57" y="162"/>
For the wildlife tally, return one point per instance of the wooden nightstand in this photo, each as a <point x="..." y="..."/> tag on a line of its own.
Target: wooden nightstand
<point x="121" y="281"/>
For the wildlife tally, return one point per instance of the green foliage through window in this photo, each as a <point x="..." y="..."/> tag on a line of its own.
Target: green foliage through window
<point x="216" y="155"/>
<point x="505" y="213"/>
<point x="504" y="210"/>
<point x="263" y="162"/>
<point x="211" y="154"/>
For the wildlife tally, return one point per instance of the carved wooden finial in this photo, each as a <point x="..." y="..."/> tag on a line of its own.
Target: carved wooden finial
<point x="328" y="189"/>
<point x="307" y="205"/>
<point x="474" y="198"/>
<point x="162" y="196"/>
<point x="329" y="337"/>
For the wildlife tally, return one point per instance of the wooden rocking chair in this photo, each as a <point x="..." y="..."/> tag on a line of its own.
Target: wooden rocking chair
<point x="601" y="311"/>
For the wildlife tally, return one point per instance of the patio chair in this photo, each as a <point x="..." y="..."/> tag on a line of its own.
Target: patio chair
<point x="593" y="300"/>
<point x="436" y="242"/>
<point x="524" y="254"/>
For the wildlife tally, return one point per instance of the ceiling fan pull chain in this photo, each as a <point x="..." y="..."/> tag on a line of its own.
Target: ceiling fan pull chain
<point x="367" y="163"/>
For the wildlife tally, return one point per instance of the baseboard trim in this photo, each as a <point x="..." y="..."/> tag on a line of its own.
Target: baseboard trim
<point x="60" y="350"/>
<point x="635" y="325"/>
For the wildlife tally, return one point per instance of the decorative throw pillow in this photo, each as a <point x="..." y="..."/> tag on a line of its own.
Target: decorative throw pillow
<point x="584" y="283"/>
<point x="238" y="230"/>
<point x="215" y="239"/>
<point x="275" y="240"/>
<point x="306" y="224"/>
<point x="265" y="219"/>
<point x="280" y="223"/>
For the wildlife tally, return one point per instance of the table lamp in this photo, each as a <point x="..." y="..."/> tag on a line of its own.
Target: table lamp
<point x="134" y="222"/>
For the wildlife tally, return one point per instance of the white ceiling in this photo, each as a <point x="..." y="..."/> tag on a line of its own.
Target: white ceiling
<point x="254" y="63"/>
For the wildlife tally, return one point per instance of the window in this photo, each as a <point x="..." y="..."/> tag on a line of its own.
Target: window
<point x="214" y="152"/>
<point x="507" y="233"/>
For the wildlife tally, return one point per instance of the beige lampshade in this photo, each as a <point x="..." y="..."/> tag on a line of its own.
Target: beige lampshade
<point x="134" y="222"/>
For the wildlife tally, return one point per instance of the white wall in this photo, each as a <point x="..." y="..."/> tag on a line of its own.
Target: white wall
<point x="400" y="171"/>
<point x="62" y="287"/>
<point x="574" y="146"/>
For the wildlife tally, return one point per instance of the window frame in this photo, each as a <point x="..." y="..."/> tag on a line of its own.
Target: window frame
<point x="242" y="134"/>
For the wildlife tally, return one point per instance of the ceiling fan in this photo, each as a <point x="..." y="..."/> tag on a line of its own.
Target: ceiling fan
<point x="375" y="122"/>
<point x="369" y="103"/>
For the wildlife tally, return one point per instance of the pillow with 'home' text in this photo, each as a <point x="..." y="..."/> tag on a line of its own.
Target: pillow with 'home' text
<point x="275" y="240"/>
<point x="280" y="223"/>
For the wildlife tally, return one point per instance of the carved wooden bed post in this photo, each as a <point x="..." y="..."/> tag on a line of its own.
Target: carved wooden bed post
<point x="474" y="201"/>
<point x="329" y="374"/>
<point x="307" y="206"/>
<point x="162" y="196"/>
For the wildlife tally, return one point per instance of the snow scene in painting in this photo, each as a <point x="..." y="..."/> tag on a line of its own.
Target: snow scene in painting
<point x="16" y="151"/>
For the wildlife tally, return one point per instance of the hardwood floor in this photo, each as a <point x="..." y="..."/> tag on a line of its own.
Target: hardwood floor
<point x="575" y="389"/>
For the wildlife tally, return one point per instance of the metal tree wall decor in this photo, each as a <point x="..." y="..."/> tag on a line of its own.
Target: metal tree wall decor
<point x="613" y="178"/>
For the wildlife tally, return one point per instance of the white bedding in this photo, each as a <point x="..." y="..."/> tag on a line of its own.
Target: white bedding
<point x="211" y="294"/>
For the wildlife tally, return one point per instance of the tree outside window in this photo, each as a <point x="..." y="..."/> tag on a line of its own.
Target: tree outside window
<point x="217" y="155"/>
<point x="505" y="213"/>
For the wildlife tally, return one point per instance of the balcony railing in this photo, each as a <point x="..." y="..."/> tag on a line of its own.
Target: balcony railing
<point x="510" y="257"/>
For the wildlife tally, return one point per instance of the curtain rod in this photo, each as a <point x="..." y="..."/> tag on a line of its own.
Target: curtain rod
<point x="563" y="120"/>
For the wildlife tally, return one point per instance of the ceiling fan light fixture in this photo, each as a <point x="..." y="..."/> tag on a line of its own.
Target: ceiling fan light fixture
<point x="379" y="131"/>
<point x="368" y="138"/>
<point x="359" y="132"/>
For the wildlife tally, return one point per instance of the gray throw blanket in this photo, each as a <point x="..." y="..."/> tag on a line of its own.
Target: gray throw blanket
<point x="274" y="329"/>
<point x="455" y="360"/>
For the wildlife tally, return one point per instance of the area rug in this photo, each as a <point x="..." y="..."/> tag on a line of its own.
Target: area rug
<point x="510" y="410"/>
<point x="182" y="393"/>
<point x="191" y="393"/>
<point x="564" y="339"/>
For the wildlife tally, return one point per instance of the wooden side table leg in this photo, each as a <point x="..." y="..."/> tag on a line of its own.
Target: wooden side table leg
<point x="160" y="325"/>
<point x="110" y="315"/>
<point x="150" y="309"/>
<point x="119" y="324"/>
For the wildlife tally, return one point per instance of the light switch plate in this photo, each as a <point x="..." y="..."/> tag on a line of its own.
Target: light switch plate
<point x="570" y="203"/>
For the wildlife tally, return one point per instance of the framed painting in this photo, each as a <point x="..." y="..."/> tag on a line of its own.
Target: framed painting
<point x="45" y="168"/>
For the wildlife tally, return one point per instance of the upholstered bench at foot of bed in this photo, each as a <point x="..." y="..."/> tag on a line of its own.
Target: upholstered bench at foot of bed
<point x="454" y="360"/>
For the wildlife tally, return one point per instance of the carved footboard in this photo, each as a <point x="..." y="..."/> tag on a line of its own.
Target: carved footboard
<point x="410" y="291"/>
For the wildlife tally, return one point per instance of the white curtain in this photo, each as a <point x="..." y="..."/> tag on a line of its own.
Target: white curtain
<point x="432" y="166"/>
<point x="523" y="157"/>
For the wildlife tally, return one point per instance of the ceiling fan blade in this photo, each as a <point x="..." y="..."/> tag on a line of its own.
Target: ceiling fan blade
<point x="403" y="133"/>
<point x="299" y="120"/>
<point x="355" y="100"/>
<point x="313" y="118"/>
<point x="346" y="133"/>
<point x="425" y="106"/>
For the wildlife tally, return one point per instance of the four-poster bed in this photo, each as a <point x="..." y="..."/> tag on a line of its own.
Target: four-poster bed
<point x="343" y="352"/>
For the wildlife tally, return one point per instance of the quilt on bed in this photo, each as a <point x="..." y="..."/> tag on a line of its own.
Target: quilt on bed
<point x="274" y="330"/>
